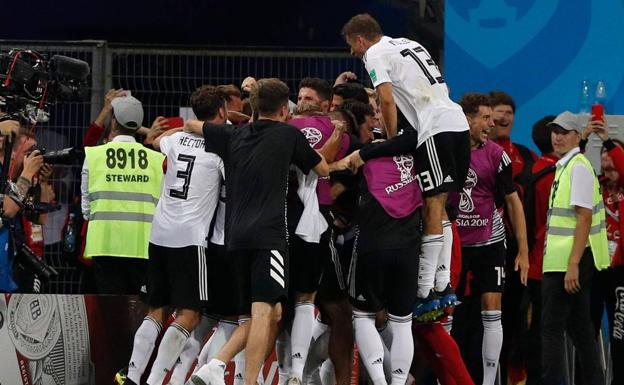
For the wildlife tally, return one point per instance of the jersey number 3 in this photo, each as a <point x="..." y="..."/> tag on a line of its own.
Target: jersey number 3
<point x="186" y="175"/>
<point x="413" y="53"/>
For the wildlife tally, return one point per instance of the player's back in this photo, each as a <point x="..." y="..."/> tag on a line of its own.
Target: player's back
<point x="418" y="87"/>
<point x="189" y="194"/>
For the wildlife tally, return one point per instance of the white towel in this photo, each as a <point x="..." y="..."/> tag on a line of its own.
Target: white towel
<point x="312" y="223"/>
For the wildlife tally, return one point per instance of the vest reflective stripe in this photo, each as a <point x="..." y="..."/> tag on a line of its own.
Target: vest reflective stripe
<point x="572" y="212"/>
<point x="570" y="232"/>
<point x="122" y="200"/>
<point x="113" y="216"/>
<point x="123" y="196"/>
<point x="562" y="222"/>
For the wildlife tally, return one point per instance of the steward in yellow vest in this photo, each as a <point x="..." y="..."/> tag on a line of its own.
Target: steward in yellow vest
<point x="576" y="245"/>
<point x="120" y="189"/>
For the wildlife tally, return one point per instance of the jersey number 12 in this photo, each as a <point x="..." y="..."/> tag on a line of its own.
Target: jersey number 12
<point x="184" y="174"/>
<point x="413" y="53"/>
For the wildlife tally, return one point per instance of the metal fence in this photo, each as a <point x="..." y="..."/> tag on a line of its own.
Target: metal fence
<point x="163" y="79"/>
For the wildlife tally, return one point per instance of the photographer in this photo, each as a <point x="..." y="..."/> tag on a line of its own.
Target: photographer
<point x="16" y="196"/>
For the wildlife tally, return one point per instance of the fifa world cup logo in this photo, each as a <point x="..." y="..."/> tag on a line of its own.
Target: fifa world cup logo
<point x="405" y="164"/>
<point x="465" y="197"/>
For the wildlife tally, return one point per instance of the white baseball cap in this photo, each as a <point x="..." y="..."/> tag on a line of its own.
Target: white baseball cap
<point x="128" y="111"/>
<point x="568" y="121"/>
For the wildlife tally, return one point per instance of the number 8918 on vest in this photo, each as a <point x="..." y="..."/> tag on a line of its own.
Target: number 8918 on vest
<point x="120" y="158"/>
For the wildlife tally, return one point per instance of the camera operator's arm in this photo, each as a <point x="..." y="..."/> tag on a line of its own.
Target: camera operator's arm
<point x="16" y="192"/>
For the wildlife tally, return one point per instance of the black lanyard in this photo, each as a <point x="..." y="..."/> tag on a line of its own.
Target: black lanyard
<point x="556" y="182"/>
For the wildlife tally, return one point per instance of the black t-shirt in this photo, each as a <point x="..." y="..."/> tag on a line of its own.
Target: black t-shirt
<point x="257" y="158"/>
<point x="380" y="231"/>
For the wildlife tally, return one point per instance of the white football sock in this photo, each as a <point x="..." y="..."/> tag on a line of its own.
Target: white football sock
<point x="317" y="355"/>
<point x="282" y="352"/>
<point x="402" y="350"/>
<point x="301" y="337"/>
<point x="191" y="350"/>
<point x="492" y="344"/>
<point x="144" y="341"/>
<point x="169" y="350"/>
<point x="370" y="345"/>
<point x="430" y="253"/>
<point x="327" y="373"/>
<point x="215" y="342"/>
<point x="319" y="327"/>
<point x="443" y="268"/>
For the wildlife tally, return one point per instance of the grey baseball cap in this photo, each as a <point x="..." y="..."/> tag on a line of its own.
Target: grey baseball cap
<point x="567" y="121"/>
<point x="128" y="111"/>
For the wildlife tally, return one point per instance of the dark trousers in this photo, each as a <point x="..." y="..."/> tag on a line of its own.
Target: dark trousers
<point x="119" y="276"/>
<point x="563" y="312"/>
<point x="534" y="344"/>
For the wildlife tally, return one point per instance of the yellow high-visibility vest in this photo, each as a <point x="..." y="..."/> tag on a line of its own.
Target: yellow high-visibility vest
<point x="124" y="187"/>
<point x="562" y="222"/>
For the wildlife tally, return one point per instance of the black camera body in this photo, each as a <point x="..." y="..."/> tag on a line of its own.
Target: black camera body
<point x="65" y="156"/>
<point x="29" y="83"/>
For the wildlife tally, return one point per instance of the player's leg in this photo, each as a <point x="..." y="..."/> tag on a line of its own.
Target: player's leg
<point x="308" y="261"/>
<point x="400" y="288"/>
<point x="366" y="296"/>
<point x="490" y="274"/>
<point x="191" y="349"/>
<point x="189" y="287"/>
<point x="440" y="170"/>
<point x="151" y="327"/>
<point x="269" y="286"/>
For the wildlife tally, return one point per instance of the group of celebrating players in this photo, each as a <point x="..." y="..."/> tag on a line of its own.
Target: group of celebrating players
<point x="339" y="204"/>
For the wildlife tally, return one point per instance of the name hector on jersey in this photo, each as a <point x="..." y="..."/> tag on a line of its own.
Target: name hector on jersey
<point x="191" y="142"/>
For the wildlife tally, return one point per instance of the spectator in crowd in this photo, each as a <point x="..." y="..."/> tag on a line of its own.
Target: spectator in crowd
<point x="576" y="242"/>
<point x="536" y="212"/>
<point x="609" y="284"/>
<point x="120" y="188"/>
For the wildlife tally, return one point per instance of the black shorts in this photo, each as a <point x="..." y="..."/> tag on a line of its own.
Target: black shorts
<point x="177" y="277"/>
<point x="333" y="284"/>
<point x="385" y="279"/>
<point x="483" y="269"/>
<point x="261" y="276"/>
<point x="442" y="162"/>
<point x="222" y="287"/>
<point x="308" y="262"/>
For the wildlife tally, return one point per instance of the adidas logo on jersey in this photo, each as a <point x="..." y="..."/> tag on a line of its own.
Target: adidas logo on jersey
<point x="361" y="298"/>
<point x="378" y="361"/>
<point x="398" y="371"/>
<point x="239" y="376"/>
<point x="131" y="364"/>
<point x="297" y="356"/>
<point x="442" y="268"/>
<point x="448" y="179"/>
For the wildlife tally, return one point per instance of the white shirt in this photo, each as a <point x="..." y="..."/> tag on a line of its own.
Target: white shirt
<point x="581" y="180"/>
<point x="85" y="205"/>
<point x="189" y="194"/>
<point x="418" y="88"/>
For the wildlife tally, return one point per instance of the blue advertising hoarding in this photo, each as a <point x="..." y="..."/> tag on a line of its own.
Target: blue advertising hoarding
<point x="539" y="51"/>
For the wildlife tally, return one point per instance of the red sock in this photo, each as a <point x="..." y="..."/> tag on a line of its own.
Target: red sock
<point x="443" y="354"/>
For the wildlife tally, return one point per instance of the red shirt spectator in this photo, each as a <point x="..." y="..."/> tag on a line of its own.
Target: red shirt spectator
<point x="540" y="201"/>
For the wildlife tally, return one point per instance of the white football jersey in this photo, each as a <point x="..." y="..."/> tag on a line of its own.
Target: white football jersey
<point x="418" y="87"/>
<point x="189" y="194"/>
